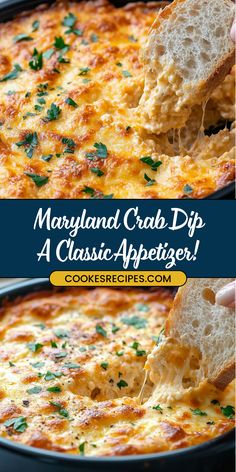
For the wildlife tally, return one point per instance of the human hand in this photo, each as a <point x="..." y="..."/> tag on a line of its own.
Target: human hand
<point x="226" y="295"/>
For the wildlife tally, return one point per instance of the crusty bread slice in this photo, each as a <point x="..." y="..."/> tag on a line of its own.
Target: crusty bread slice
<point x="198" y="343"/>
<point x="188" y="53"/>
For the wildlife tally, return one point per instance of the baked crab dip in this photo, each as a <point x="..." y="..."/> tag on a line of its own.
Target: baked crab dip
<point x="71" y="79"/>
<point x="72" y="368"/>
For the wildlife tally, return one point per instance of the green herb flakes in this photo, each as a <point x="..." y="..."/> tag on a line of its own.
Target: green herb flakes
<point x="13" y="74"/>
<point x="29" y="143"/>
<point x="198" y="412"/>
<point x="22" y="37"/>
<point x="34" y="347"/>
<point x="121" y="384"/>
<point x="37" y="60"/>
<point x="100" y="330"/>
<point x="34" y="390"/>
<point x="39" y="180"/>
<point x="18" y="424"/>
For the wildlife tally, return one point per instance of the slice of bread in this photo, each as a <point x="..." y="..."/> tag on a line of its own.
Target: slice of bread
<point x="188" y="53"/>
<point x="198" y="343"/>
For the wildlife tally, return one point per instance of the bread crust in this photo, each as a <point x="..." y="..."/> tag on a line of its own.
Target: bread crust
<point x="225" y="376"/>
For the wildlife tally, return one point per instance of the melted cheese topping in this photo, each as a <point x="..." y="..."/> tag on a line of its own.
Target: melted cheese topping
<point x="84" y="90"/>
<point x="71" y="369"/>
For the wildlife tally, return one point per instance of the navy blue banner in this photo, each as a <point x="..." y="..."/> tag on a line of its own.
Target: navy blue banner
<point x="38" y="237"/>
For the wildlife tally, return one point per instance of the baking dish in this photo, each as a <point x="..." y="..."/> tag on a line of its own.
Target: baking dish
<point x="214" y="455"/>
<point x="9" y="8"/>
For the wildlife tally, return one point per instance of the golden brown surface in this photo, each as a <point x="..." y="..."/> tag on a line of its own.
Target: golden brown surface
<point x="49" y="152"/>
<point x="71" y="367"/>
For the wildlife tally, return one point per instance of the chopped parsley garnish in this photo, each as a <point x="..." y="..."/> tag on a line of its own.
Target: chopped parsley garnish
<point x="28" y="114"/>
<point x="11" y="364"/>
<point x="119" y="64"/>
<point x="70" y="148"/>
<point x="38" y="108"/>
<point x="60" y="355"/>
<point x="35" y="26"/>
<point x="48" y="54"/>
<point x="19" y="424"/>
<point x="94" y="38"/>
<point x="101" y="330"/>
<point x="142" y="307"/>
<point x="81" y="448"/>
<point x="96" y="194"/>
<point x="126" y="73"/>
<point x="40" y="325"/>
<point x="53" y="344"/>
<point x="63" y="60"/>
<point x="158" y="408"/>
<point x="53" y="113"/>
<point x="30" y="142"/>
<point x="13" y="74"/>
<point x="135" y="321"/>
<point x="71" y="102"/>
<point x="47" y="157"/>
<point x="89" y="191"/>
<point x="34" y="347"/>
<point x="101" y="152"/>
<point x="140" y="353"/>
<point x="119" y="353"/>
<point x="22" y="37"/>
<point x="10" y="92"/>
<point x="114" y="329"/>
<point x="149" y="180"/>
<point x="187" y="189"/>
<point x="210" y="422"/>
<point x="37" y="365"/>
<point x="84" y="70"/>
<point x="37" y="60"/>
<point x="198" y="412"/>
<point x="60" y="44"/>
<point x="104" y="365"/>
<point x="61" y="333"/>
<point x="34" y="390"/>
<point x="150" y="162"/>
<point x="97" y="171"/>
<point x="135" y="345"/>
<point x="62" y="411"/>
<point x="69" y="20"/>
<point x="228" y="411"/>
<point x="54" y="389"/>
<point x="121" y="384"/>
<point x="70" y="365"/>
<point x="52" y="375"/>
<point x="39" y="180"/>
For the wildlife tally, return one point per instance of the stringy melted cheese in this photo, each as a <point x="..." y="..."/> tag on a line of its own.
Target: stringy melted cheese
<point x="85" y="350"/>
<point x="102" y="73"/>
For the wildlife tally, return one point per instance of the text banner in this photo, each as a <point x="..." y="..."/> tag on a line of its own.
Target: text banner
<point x="193" y="236"/>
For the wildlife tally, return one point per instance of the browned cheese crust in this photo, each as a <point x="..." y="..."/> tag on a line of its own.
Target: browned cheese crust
<point x="84" y="90"/>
